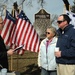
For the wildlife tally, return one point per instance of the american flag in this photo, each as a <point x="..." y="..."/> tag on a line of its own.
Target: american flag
<point x="25" y="34"/>
<point x="9" y="27"/>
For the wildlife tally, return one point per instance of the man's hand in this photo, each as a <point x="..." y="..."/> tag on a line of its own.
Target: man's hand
<point x="58" y="54"/>
<point x="10" y="51"/>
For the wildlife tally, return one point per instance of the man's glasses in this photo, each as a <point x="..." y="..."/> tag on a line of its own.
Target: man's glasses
<point x="59" y="22"/>
<point x="47" y="32"/>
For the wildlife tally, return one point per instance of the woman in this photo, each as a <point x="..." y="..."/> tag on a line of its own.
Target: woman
<point x="46" y="58"/>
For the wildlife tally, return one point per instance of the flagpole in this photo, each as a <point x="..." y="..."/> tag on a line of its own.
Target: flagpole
<point x="64" y="8"/>
<point x="69" y="8"/>
<point x="11" y="55"/>
<point x="13" y="10"/>
<point x="4" y="7"/>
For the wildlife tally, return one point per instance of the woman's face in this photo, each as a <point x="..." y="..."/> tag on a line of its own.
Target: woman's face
<point x="49" y="34"/>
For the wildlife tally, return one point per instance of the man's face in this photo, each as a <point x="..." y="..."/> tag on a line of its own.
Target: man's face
<point x="1" y="23"/>
<point x="61" y="22"/>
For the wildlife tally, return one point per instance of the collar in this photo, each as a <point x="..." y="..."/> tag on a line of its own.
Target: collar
<point x="65" y="29"/>
<point x="53" y="40"/>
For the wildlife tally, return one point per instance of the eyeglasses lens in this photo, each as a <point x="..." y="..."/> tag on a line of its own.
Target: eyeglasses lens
<point x="47" y="32"/>
<point x="59" y="22"/>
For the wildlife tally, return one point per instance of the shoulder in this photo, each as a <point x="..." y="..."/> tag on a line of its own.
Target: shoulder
<point x="44" y="40"/>
<point x="55" y="38"/>
<point x="72" y="29"/>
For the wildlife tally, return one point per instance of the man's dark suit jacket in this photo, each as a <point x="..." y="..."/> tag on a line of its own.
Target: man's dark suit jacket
<point x="3" y="54"/>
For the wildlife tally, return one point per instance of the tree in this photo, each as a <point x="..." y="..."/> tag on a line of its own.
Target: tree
<point x="2" y="6"/>
<point x="29" y="2"/>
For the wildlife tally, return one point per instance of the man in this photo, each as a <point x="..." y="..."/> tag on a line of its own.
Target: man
<point x="3" y="51"/>
<point x="65" y="57"/>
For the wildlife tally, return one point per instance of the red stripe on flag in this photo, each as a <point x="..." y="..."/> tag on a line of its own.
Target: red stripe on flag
<point x="7" y="30"/>
<point x="9" y="25"/>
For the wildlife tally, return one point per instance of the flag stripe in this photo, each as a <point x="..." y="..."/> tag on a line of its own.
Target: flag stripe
<point x="20" y="33"/>
<point x="5" y="29"/>
<point x="18" y="30"/>
<point x="28" y="36"/>
<point x="14" y="41"/>
<point x="23" y="33"/>
<point x="10" y="29"/>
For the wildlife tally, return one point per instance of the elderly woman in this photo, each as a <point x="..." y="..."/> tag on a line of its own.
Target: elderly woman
<point x="46" y="58"/>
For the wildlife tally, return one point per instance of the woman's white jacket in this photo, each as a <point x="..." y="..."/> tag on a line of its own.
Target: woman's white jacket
<point x="47" y="60"/>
